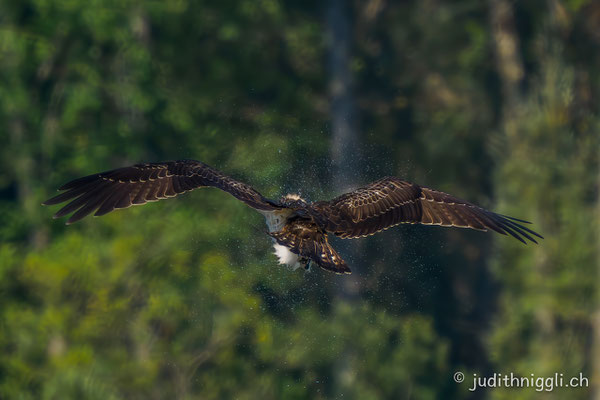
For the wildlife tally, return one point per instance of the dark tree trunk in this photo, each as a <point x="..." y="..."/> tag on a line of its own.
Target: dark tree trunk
<point x="345" y="159"/>
<point x="345" y="153"/>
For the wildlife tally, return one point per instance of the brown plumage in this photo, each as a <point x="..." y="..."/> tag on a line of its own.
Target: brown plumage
<point x="143" y="183"/>
<point x="299" y="226"/>
<point x="305" y="238"/>
<point x="391" y="201"/>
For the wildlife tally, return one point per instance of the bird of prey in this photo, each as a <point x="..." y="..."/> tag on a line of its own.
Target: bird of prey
<point x="298" y="228"/>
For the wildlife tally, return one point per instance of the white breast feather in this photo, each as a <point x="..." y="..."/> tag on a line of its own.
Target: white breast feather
<point x="286" y="257"/>
<point x="276" y="220"/>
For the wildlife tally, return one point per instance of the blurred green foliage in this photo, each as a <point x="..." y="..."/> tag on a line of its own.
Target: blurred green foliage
<point x="183" y="299"/>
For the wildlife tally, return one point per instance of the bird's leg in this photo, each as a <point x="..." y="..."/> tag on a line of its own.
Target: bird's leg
<point x="305" y="262"/>
<point x="308" y="265"/>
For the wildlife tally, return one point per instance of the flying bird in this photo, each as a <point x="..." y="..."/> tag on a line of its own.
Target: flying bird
<point x="299" y="228"/>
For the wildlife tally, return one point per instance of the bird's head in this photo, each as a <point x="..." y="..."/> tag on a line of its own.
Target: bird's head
<point x="290" y="200"/>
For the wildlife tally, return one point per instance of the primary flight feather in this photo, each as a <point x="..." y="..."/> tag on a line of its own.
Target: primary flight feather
<point x="299" y="228"/>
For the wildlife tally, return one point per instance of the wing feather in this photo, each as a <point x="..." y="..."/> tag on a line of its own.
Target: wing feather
<point x="142" y="183"/>
<point x="68" y="195"/>
<point x="161" y="186"/>
<point x="391" y="201"/>
<point x="142" y="190"/>
<point x="81" y="200"/>
<point x="111" y="201"/>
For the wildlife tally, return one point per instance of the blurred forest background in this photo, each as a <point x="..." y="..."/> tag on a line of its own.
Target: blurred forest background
<point x="494" y="101"/>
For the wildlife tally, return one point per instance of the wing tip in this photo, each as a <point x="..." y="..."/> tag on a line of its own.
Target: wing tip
<point x="50" y="202"/>
<point x="515" y="219"/>
<point x="517" y="230"/>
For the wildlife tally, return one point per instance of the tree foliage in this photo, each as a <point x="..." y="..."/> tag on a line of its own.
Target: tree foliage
<point x="183" y="299"/>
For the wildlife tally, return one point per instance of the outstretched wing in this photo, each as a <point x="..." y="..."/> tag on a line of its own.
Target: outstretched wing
<point x="142" y="183"/>
<point x="391" y="201"/>
<point x="305" y="239"/>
